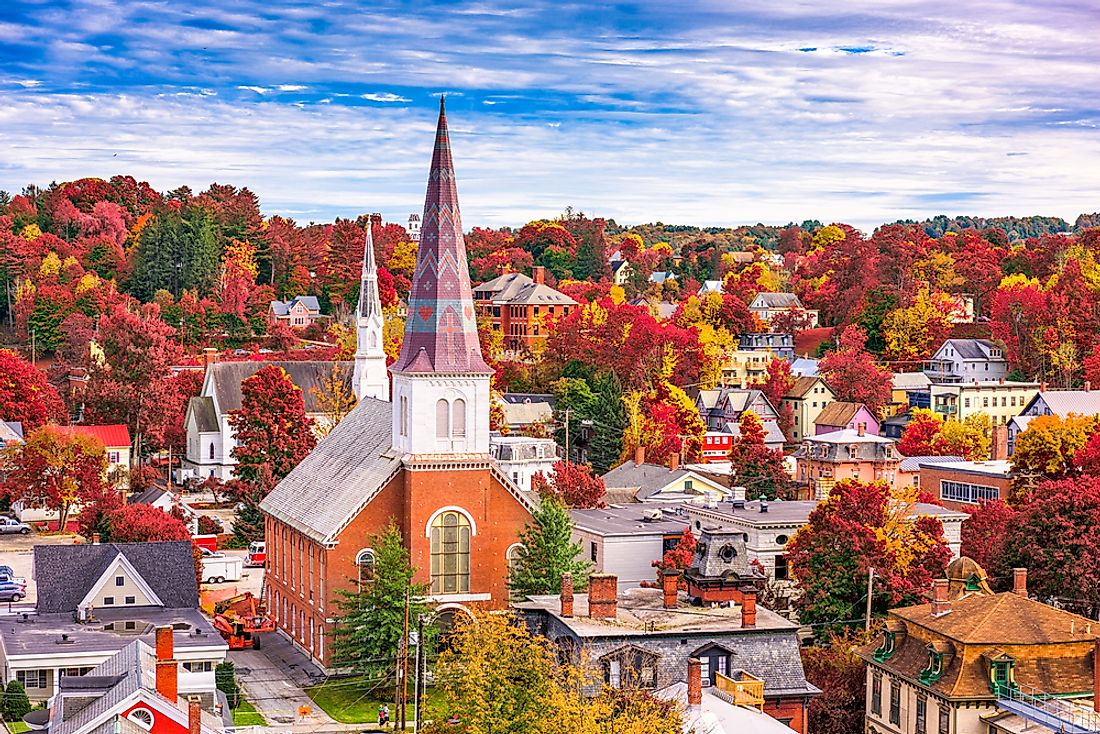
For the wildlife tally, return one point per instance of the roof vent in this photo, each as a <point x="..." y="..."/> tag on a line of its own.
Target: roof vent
<point x="653" y="515"/>
<point x="64" y="639"/>
<point x="763" y="505"/>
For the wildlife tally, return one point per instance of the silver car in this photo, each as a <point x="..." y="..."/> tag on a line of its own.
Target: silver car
<point x="11" y="525"/>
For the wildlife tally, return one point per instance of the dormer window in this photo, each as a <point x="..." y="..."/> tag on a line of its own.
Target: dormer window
<point x="888" y="646"/>
<point x="934" y="667"/>
<point x="1001" y="668"/>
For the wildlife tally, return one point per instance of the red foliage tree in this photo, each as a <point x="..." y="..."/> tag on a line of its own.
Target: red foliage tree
<point x="25" y="396"/>
<point x="984" y="535"/>
<point x="777" y="382"/>
<point x="1018" y="318"/>
<point x="680" y="556"/>
<point x="572" y="484"/>
<point x="56" y="469"/>
<point x="841" y="675"/>
<point x="146" y="524"/>
<point x="759" y="469"/>
<point x="272" y="427"/>
<point x="852" y="373"/>
<point x="919" y="437"/>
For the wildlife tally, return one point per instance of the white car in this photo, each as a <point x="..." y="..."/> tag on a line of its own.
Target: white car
<point x="11" y="525"/>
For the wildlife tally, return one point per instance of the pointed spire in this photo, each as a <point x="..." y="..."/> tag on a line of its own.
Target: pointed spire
<point x="369" y="378"/>
<point x="369" y="300"/>
<point x="441" y="330"/>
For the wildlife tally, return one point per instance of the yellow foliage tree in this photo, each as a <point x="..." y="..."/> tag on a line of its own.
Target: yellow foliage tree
<point x="914" y="332"/>
<point x="971" y="436"/>
<point x="1046" y="448"/>
<point x="827" y="236"/>
<point x="51" y="265"/>
<point x="618" y="295"/>
<point x="899" y="533"/>
<point x="403" y="259"/>
<point x="31" y="232"/>
<point x="240" y="256"/>
<point x="335" y="398"/>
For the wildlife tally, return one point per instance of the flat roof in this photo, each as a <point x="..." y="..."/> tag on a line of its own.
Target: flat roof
<point x="791" y="512"/>
<point x="1000" y="468"/>
<point x="41" y="633"/>
<point x="628" y="520"/>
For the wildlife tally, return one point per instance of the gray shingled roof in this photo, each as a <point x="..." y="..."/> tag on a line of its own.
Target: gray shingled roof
<point x="914" y="463"/>
<point x="125" y="667"/>
<point x="340" y="475"/>
<point x="282" y="308"/>
<point x="228" y="376"/>
<point x="776" y="300"/>
<point x="646" y="478"/>
<point x="973" y="348"/>
<point x="65" y="573"/>
<point x="1064" y="402"/>
<point x="206" y="418"/>
<point x="538" y="294"/>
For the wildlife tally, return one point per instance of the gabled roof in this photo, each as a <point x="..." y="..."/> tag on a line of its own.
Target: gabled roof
<point x="282" y="308"/>
<point x="538" y="294"/>
<point x="978" y="349"/>
<point x="911" y="380"/>
<point x="838" y="413"/>
<point x="206" y="418"/>
<point x="804" y="366"/>
<point x="226" y="379"/>
<point x="11" y="432"/>
<point x="646" y="480"/>
<point x="65" y="573"/>
<point x="503" y="286"/>
<point x="775" y="300"/>
<point x="772" y="434"/>
<point x="115" y="436"/>
<point x="710" y="286"/>
<point x="1063" y="402"/>
<point x="803" y="385"/>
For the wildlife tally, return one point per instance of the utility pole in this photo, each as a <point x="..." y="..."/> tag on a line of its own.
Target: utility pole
<point x="34" y="353"/>
<point x="419" y="672"/>
<point x="870" y="591"/>
<point x="405" y="663"/>
<point x="567" y="412"/>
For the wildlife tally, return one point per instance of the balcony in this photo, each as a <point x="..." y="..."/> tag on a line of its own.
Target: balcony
<point x="1060" y="715"/>
<point x="941" y="370"/>
<point x="740" y="688"/>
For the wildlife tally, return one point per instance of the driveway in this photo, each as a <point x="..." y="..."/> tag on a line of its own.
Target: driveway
<point x="17" y="551"/>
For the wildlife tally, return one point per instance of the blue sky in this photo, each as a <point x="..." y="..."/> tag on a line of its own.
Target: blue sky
<point x="708" y="113"/>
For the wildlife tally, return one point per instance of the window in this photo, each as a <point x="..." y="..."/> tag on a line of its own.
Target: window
<point x="108" y="601"/>
<point x="964" y="492"/>
<point x="404" y="416"/>
<point x="781" y="573"/>
<point x="71" y="672"/>
<point x="364" y="562"/>
<point x="945" y="720"/>
<point x="985" y="402"/>
<point x="458" y="421"/>
<point x="113" y="457"/>
<point x="630" y="668"/>
<point x="876" y="694"/>
<point x="593" y="551"/>
<point x="895" y="703"/>
<point x="120" y="580"/>
<point x="450" y="553"/>
<point x="442" y="419"/>
<point x="211" y="449"/>
<point x="199" y="666"/>
<point x="688" y="485"/>
<point x="922" y="715"/>
<point x="130" y="600"/>
<point x="143" y="717"/>
<point x="966" y="402"/>
<point x="31" y="678"/>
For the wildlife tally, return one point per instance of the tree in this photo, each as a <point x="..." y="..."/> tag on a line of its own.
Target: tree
<point x="679" y="557"/>
<point x="272" y="428"/>
<point x="225" y="679"/>
<point x="759" y="469"/>
<point x="985" y="533"/>
<point x="1048" y="446"/>
<point x="852" y="373"/>
<point x="56" y="468"/>
<point x="145" y="523"/>
<point x="546" y="552"/>
<point x="778" y="382"/>
<point x="1054" y="537"/>
<point x="16" y="704"/>
<point x="929" y="435"/>
<point x="841" y="675"/>
<point x="608" y="423"/>
<point x="334" y="397"/>
<point x="572" y="484"/>
<point x="859" y="527"/>
<point x="372" y="616"/>
<point x="25" y="396"/>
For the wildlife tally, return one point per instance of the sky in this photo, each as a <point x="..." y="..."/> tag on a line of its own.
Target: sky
<point x="712" y="113"/>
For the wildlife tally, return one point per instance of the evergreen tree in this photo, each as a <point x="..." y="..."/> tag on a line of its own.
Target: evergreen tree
<point x="608" y="424"/>
<point x="201" y="251"/>
<point x="547" y="552"/>
<point x="225" y="678"/>
<point x="159" y="258"/>
<point x="16" y="705"/>
<point x="371" y="622"/>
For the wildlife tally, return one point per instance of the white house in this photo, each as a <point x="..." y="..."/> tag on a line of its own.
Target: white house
<point x="522" y="457"/>
<point x="967" y="360"/>
<point x="1053" y="402"/>
<point x="626" y="540"/>
<point x="637" y="481"/>
<point x="767" y="305"/>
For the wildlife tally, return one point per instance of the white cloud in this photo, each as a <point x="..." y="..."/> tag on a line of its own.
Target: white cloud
<point x="384" y="97"/>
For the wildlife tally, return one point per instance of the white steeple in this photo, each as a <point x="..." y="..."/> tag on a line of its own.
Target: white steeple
<point x="370" y="379"/>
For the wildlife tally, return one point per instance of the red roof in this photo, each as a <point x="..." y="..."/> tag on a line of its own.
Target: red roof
<point x="115" y="436"/>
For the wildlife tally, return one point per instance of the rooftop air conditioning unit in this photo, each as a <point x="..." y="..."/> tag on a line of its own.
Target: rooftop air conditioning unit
<point x="654" y="515"/>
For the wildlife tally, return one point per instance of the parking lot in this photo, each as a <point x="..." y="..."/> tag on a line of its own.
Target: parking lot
<point x="17" y="551"/>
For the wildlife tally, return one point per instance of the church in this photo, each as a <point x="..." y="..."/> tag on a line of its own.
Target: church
<point x="420" y="457"/>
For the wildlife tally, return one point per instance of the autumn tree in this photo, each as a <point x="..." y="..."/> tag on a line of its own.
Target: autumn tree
<point x="1048" y="447"/>
<point x="56" y="469"/>
<point x="841" y="674"/>
<point x="984" y="535"/>
<point x="679" y="557"/>
<point x="861" y="527"/>
<point x="756" y="467"/>
<point x="546" y="552"/>
<point x="145" y="523"/>
<point x="572" y="484"/>
<point x="25" y="395"/>
<point x="778" y="381"/>
<point x="852" y="373"/>
<point x="271" y="426"/>
<point x="334" y="397"/>
<point x="929" y="435"/>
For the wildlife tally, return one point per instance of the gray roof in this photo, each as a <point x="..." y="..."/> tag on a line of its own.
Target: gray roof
<point x="10" y="432"/>
<point x="146" y="497"/>
<point x="772" y="434"/>
<point x="832" y="446"/>
<point x="528" y="397"/>
<point x="339" y="477"/>
<point x="228" y="376"/>
<point x="627" y="521"/>
<point x="66" y="573"/>
<point x="804" y="366"/>
<point x="911" y="381"/>
<point x="1064" y="402"/>
<point x="973" y="349"/>
<point x="648" y="479"/>
<point x="282" y="308"/>
<point x="914" y="463"/>
<point x="776" y="300"/>
<point x="206" y="418"/>
<point x="124" y="669"/>
<point x="502" y="286"/>
<point x="537" y="294"/>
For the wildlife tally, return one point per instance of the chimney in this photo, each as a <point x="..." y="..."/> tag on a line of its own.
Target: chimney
<point x="1043" y="386"/>
<point x="674" y="461"/>
<point x="941" y="605"/>
<point x="1001" y="381"/>
<point x="167" y="670"/>
<point x="1019" y="581"/>
<point x="998" y="445"/>
<point x="639" y="454"/>
<point x="194" y="715"/>
<point x="209" y="356"/>
<point x="603" y="595"/>
<point x="748" y="607"/>
<point x="566" y="595"/>
<point x="1088" y="385"/>
<point x="95" y="538"/>
<point x="538" y="273"/>
<point x="695" y="682"/>
<point x="670" y="584"/>
<point x="763" y="505"/>
<point x="861" y="428"/>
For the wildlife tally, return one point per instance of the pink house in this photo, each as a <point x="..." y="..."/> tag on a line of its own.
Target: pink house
<point x="840" y="416"/>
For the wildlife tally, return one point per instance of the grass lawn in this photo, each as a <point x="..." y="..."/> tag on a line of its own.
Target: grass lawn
<point x="346" y="702"/>
<point x="246" y="715"/>
<point x="17" y="727"/>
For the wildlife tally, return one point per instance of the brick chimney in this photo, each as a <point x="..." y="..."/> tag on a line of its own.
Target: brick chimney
<point x="194" y="715"/>
<point x="538" y="274"/>
<point x="941" y="604"/>
<point x="603" y="595"/>
<point x="209" y="356"/>
<point x="95" y="538"/>
<point x="748" y="607"/>
<point x="674" y="461"/>
<point x="670" y="584"/>
<point x="1043" y="386"/>
<point x="1019" y="581"/>
<point x="566" y="595"/>
<point x="861" y="428"/>
<point x="167" y="669"/>
<point x="639" y="455"/>
<point x="998" y="444"/>
<point x="1088" y="386"/>
<point x="695" y="682"/>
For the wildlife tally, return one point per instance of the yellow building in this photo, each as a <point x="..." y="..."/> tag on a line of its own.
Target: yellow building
<point x="1001" y="400"/>
<point x="807" y="398"/>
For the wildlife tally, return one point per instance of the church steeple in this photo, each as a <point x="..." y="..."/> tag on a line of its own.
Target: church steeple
<point x="441" y="381"/>
<point x="370" y="379"/>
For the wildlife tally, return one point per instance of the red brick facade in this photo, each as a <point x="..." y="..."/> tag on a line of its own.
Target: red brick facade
<point x="303" y="576"/>
<point x="932" y="479"/>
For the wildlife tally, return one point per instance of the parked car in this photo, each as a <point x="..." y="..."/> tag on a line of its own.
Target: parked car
<point x="12" y="593"/>
<point x="11" y="525"/>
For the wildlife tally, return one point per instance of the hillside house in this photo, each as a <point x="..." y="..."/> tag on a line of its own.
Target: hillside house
<point x="1053" y="402"/>
<point x="299" y="312"/>
<point x="521" y="308"/>
<point x="824" y="460"/>
<point x="839" y="416"/>
<point x="807" y="397"/>
<point x="1001" y="400"/>
<point x="766" y="305"/>
<point x="967" y="360"/>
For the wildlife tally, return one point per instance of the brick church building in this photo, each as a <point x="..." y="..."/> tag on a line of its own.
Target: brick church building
<point x="420" y="458"/>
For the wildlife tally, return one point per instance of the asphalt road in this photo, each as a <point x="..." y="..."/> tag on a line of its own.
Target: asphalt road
<point x="17" y="551"/>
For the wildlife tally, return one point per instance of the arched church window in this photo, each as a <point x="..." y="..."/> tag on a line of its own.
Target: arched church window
<point x="211" y="449"/>
<point x="458" y="422"/>
<point x="450" y="553"/>
<point x="364" y="564"/>
<point x="442" y="419"/>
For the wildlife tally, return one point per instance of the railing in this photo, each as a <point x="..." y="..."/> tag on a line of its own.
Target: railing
<point x="741" y="688"/>
<point x="1061" y="715"/>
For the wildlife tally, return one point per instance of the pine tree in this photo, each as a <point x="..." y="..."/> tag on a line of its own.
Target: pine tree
<point x="159" y="256"/>
<point x="609" y="423"/>
<point x="16" y="705"/>
<point x="201" y="251"/>
<point x="371" y="622"/>
<point x="547" y="552"/>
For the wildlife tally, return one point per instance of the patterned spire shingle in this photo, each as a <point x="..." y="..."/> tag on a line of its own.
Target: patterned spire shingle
<point x="441" y="329"/>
